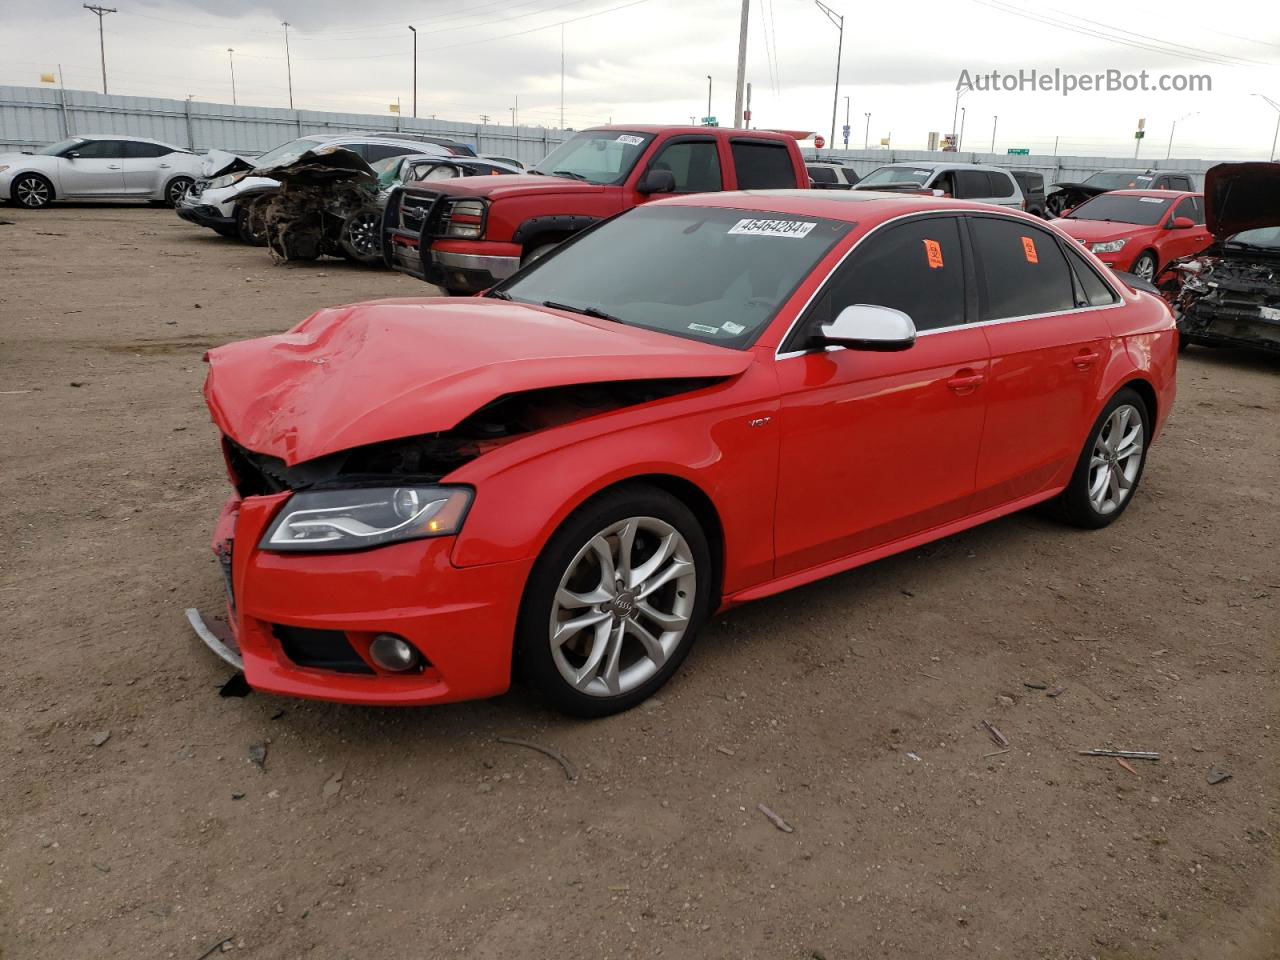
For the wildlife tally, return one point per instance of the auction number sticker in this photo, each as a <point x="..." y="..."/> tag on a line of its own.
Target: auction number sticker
<point x="631" y="139"/>
<point x="933" y="253"/>
<point x="1029" y="250"/>
<point x="1150" y="200"/>
<point x="795" y="229"/>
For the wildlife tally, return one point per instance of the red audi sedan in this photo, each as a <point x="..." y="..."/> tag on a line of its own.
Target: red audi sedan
<point x="704" y="401"/>
<point x="1140" y="231"/>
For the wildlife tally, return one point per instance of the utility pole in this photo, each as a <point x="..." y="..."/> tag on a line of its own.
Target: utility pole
<point x="561" y="76"/>
<point x="994" y="121"/>
<point x="846" y="123"/>
<point x="288" y="63"/>
<point x="961" y="140"/>
<point x="484" y="118"/>
<point x="515" y="114"/>
<point x="742" y="68"/>
<point x="866" y="134"/>
<point x="415" y="70"/>
<point x="231" y="60"/>
<point x="708" y="95"/>
<point x="102" y="46"/>
<point x="1276" y="135"/>
<point x="838" y="21"/>
<point x="746" y="114"/>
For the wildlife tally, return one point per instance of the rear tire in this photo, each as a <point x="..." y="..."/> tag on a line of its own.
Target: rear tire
<point x="1110" y="466"/>
<point x="32" y="191"/>
<point x="614" y="602"/>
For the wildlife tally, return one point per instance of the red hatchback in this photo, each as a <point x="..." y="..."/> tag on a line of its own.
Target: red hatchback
<point x="701" y="402"/>
<point x="1140" y="231"/>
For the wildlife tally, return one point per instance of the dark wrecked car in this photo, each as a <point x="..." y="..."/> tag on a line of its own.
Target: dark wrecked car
<point x="1230" y="294"/>
<point x="1068" y="196"/>
<point x="330" y="201"/>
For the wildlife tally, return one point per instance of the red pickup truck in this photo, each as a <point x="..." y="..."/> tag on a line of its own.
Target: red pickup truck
<point x="465" y="235"/>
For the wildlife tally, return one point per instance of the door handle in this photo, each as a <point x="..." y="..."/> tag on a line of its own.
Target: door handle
<point x="113" y="166"/>
<point x="1085" y="359"/>
<point x="965" y="381"/>
<point x="164" y="166"/>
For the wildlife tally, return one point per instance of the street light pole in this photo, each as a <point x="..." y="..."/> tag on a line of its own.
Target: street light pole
<point x="708" y="95"/>
<point x="415" y="70"/>
<point x="231" y="60"/>
<point x="288" y="62"/>
<point x="1276" y="135"/>
<point x="102" y="46"/>
<point x="866" y="134"/>
<point x="961" y="139"/>
<point x="838" y="21"/>
<point x="846" y="122"/>
<point x="994" y="120"/>
<point x="742" y="67"/>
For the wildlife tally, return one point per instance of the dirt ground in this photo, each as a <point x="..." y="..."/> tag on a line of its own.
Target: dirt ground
<point x="853" y="707"/>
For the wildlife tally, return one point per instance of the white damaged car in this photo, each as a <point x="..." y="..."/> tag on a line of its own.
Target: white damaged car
<point x="99" y="167"/>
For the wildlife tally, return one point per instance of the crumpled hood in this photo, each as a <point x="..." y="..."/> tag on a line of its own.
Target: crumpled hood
<point x="354" y="375"/>
<point x="1241" y="196"/>
<point x="322" y="165"/>
<point x="1097" y="231"/>
<point x="218" y="163"/>
<point x="513" y="185"/>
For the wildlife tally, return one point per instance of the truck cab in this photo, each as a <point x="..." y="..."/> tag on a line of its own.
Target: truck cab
<point x="467" y="235"/>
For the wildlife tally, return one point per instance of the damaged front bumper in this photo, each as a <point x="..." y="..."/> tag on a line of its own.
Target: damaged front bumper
<point x="302" y="624"/>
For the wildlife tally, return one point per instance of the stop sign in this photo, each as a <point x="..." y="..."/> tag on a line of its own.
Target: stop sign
<point x="819" y="142"/>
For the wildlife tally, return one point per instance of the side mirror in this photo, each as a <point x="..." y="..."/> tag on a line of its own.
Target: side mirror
<point x="1181" y="223"/>
<point x="657" y="181"/>
<point x="864" y="326"/>
<point x="72" y="155"/>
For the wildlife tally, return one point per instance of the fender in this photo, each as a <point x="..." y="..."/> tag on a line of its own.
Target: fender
<point x="531" y="230"/>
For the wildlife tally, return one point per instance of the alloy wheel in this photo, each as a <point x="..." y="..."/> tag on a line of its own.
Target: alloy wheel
<point x="623" y="606"/>
<point x="1145" y="268"/>
<point x="32" y="192"/>
<point x="177" y="190"/>
<point x="364" y="237"/>
<point x="1116" y="459"/>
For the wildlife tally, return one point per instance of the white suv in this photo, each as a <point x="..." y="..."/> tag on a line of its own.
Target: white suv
<point x="964" y="181"/>
<point x="98" y="167"/>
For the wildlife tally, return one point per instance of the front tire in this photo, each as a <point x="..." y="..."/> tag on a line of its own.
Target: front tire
<point x="32" y="191"/>
<point x="1110" y="466"/>
<point x="614" y="602"/>
<point x="1144" y="268"/>
<point x="250" y="226"/>
<point x="361" y="239"/>
<point x="176" y="189"/>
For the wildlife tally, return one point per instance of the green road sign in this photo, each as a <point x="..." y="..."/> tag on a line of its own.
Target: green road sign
<point x="1019" y="151"/>
<point x="1139" y="134"/>
<point x="709" y="122"/>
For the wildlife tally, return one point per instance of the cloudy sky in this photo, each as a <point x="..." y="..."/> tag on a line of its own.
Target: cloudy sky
<point x="647" y="61"/>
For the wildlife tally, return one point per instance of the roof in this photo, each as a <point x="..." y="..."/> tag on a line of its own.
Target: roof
<point x="123" y="136"/>
<point x="1162" y="194"/>
<point x="944" y="164"/>
<point x="847" y="205"/>
<point x="689" y="130"/>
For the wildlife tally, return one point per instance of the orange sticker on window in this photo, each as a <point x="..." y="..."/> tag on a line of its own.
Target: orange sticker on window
<point x="1029" y="250"/>
<point x="933" y="252"/>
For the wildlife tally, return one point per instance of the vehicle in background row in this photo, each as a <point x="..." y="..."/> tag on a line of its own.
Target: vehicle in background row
<point x="707" y="400"/>
<point x="1139" y="231"/>
<point x="467" y="235"/>
<point x="1229" y="295"/>
<point x="224" y="203"/>
<point x="830" y="176"/>
<point x="99" y="167"/>
<point x="1031" y="183"/>
<point x="1064" y="196"/>
<point x="509" y="161"/>
<point x="963" y="181"/>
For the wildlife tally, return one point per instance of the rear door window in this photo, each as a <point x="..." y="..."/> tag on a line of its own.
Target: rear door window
<point x="916" y="267"/>
<point x="972" y="184"/>
<point x="1093" y="291"/>
<point x="135" y="150"/>
<point x="822" y="174"/>
<point x="849" y="175"/>
<point x="1001" y="184"/>
<point x="762" y="166"/>
<point x="102" y="149"/>
<point x="1023" y="271"/>
<point x="380" y="151"/>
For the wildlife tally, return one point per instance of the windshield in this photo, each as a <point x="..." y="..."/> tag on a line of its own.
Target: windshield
<point x="1261" y="237"/>
<point x="718" y="276"/>
<point x="916" y="175"/>
<point x="53" y="149"/>
<point x="287" y="152"/>
<point x="597" y="156"/>
<point x="1118" y="208"/>
<point x="1121" y="180"/>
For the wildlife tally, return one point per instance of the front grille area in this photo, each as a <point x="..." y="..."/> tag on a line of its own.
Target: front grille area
<point x="416" y="210"/>
<point x="254" y="474"/>
<point x="319" y="649"/>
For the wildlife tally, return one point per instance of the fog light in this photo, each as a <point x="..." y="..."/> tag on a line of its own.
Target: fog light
<point x="393" y="653"/>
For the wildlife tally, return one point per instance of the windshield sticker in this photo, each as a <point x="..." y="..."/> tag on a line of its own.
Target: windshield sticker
<point x="1150" y="200"/>
<point x="933" y="253"/>
<point x="631" y="139"/>
<point x="920" y="173"/>
<point x="732" y="328"/>
<point x="1029" y="250"/>
<point x="772" y="228"/>
<point x="703" y="328"/>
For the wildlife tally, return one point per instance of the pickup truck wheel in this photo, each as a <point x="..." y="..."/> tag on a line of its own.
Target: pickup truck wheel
<point x="538" y="252"/>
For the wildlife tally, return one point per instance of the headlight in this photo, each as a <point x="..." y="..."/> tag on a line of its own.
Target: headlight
<point x="356" y="519"/>
<point x="465" y="218"/>
<point x="1111" y="246"/>
<point x="226" y="180"/>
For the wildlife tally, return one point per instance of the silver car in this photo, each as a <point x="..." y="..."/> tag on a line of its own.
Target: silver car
<point x="964" y="181"/>
<point x="98" y="167"/>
